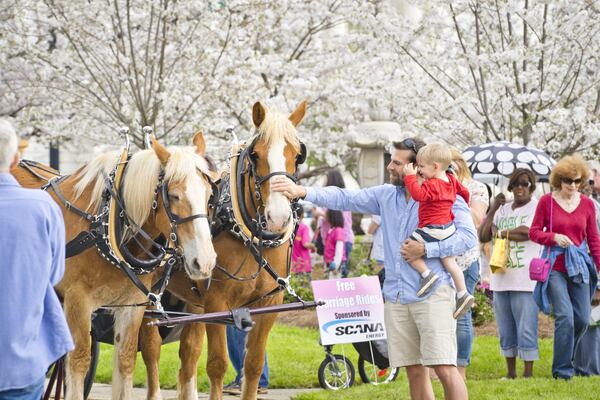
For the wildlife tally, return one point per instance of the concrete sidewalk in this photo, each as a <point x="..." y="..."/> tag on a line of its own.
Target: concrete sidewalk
<point x="102" y="391"/>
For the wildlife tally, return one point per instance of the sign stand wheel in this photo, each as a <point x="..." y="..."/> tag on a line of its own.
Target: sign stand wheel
<point x="336" y="372"/>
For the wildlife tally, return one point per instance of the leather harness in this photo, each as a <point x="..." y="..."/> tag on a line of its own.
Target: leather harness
<point x="230" y="215"/>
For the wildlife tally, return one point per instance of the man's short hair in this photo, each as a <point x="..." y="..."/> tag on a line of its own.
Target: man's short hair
<point x="410" y="143"/>
<point x="436" y="153"/>
<point x="8" y="144"/>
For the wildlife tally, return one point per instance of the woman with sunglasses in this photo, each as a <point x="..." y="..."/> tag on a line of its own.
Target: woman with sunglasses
<point x="565" y="223"/>
<point x="516" y="312"/>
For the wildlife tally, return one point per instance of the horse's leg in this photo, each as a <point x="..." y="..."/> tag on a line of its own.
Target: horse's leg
<point x="256" y="345"/>
<point x="79" y="317"/>
<point x="150" y="342"/>
<point x="126" y="326"/>
<point x="190" y="348"/>
<point x="216" y="365"/>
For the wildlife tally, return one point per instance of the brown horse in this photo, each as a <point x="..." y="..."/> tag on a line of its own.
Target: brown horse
<point x="91" y="282"/>
<point x="237" y="280"/>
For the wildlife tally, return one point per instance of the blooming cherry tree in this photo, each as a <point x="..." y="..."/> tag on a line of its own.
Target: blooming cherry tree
<point x="523" y="71"/>
<point x="461" y="71"/>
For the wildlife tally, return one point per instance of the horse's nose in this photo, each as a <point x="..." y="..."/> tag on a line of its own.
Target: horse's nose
<point x="277" y="223"/>
<point x="196" y="265"/>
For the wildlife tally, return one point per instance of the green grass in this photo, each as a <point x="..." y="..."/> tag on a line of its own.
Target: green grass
<point x="294" y="359"/>
<point x="295" y="356"/>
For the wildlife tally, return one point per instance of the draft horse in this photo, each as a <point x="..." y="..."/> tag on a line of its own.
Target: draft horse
<point x="166" y="193"/>
<point x="253" y="235"/>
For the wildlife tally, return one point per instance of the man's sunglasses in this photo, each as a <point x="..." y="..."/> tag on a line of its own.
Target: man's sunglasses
<point x="570" y="181"/>
<point x="410" y="144"/>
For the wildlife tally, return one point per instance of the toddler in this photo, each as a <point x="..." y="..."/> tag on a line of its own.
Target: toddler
<point x="436" y="195"/>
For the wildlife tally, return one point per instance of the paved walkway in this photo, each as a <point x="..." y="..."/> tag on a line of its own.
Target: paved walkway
<point x="102" y="391"/>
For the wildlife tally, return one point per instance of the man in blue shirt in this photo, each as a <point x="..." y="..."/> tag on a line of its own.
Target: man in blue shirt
<point x="33" y="329"/>
<point x="421" y="331"/>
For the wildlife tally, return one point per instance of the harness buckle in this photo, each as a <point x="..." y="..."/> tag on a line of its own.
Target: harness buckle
<point x="155" y="300"/>
<point x="173" y="237"/>
<point x="284" y="283"/>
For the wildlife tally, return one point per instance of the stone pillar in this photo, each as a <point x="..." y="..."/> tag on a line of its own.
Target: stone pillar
<point x="373" y="139"/>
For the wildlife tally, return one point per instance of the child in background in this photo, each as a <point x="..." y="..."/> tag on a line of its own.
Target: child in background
<point x="301" y="263"/>
<point x="436" y="195"/>
<point x="334" y="253"/>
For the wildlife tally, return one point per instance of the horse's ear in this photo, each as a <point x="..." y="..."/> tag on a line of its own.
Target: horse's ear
<point x="258" y="114"/>
<point x="199" y="143"/>
<point x="298" y="115"/>
<point x="161" y="152"/>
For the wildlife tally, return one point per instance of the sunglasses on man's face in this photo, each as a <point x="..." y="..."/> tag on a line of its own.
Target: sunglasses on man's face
<point x="570" y="181"/>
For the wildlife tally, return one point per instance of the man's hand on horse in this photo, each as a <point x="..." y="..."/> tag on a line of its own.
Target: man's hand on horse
<point x="287" y="187"/>
<point x="412" y="250"/>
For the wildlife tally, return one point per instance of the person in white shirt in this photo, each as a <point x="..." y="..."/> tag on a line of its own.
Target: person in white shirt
<point x="514" y="307"/>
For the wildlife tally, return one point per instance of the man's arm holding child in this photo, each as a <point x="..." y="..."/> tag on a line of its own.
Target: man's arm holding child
<point x="464" y="238"/>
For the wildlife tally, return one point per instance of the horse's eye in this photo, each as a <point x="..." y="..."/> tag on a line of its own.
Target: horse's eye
<point x="174" y="197"/>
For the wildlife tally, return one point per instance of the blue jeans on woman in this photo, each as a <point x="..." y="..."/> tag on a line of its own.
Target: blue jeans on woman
<point x="464" y="325"/>
<point x="517" y="320"/>
<point x="236" y="347"/>
<point x="571" y="306"/>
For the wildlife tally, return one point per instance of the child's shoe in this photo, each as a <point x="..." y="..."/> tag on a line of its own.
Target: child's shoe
<point x="463" y="304"/>
<point x="426" y="284"/>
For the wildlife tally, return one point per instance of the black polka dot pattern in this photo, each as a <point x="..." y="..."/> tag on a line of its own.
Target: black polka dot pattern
<point x="503" y="158"/>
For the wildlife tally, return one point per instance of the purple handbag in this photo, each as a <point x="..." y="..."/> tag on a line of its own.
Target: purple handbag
<point x="539" y="267"/>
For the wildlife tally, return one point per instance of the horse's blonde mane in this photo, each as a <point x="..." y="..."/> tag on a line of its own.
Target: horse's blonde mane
<point x="277" y="126"/>
<point x="92" y="173"/>
<point x="141" y="177"/>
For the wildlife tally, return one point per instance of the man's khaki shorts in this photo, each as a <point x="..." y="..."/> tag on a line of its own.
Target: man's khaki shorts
<point x="423" y="332"/>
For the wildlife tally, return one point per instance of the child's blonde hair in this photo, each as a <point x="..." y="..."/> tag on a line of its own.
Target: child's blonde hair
<point x="436" y="153"/>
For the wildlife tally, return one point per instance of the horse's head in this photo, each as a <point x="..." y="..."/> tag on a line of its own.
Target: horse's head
<point x="276" y="150"/>
<point x="175" y="182"/>
<point x="186" y="192"/>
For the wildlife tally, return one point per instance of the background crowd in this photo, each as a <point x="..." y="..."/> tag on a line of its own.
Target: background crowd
<point x="554" y="217"/>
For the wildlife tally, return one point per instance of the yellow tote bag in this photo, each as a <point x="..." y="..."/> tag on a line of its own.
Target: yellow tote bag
<point x="500" y="254"/>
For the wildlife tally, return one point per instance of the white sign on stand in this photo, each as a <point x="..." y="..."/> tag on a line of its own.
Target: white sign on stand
<point x="353" y="310"/>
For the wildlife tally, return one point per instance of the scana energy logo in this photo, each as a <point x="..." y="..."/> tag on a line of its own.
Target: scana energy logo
<point x="352" y="326"/>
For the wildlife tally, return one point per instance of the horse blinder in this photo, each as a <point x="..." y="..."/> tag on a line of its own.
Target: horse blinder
<point x="301" y="157"/>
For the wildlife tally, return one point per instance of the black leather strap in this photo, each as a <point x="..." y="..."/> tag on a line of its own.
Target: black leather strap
<point x="81" y="242"/>
<point x="54" y="184"/>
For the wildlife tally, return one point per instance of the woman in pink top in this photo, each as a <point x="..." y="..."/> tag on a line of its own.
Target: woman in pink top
<point x="334" y="254"/>
<point x="301" y="263"/>
<point x="564" y="222"/>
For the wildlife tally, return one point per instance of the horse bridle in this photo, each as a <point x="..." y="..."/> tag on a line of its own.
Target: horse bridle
<point x="249" y="155"/>
<point x="259" y="180"/>
<point x="174" y="219"/>
<point x="244" y="172"/>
